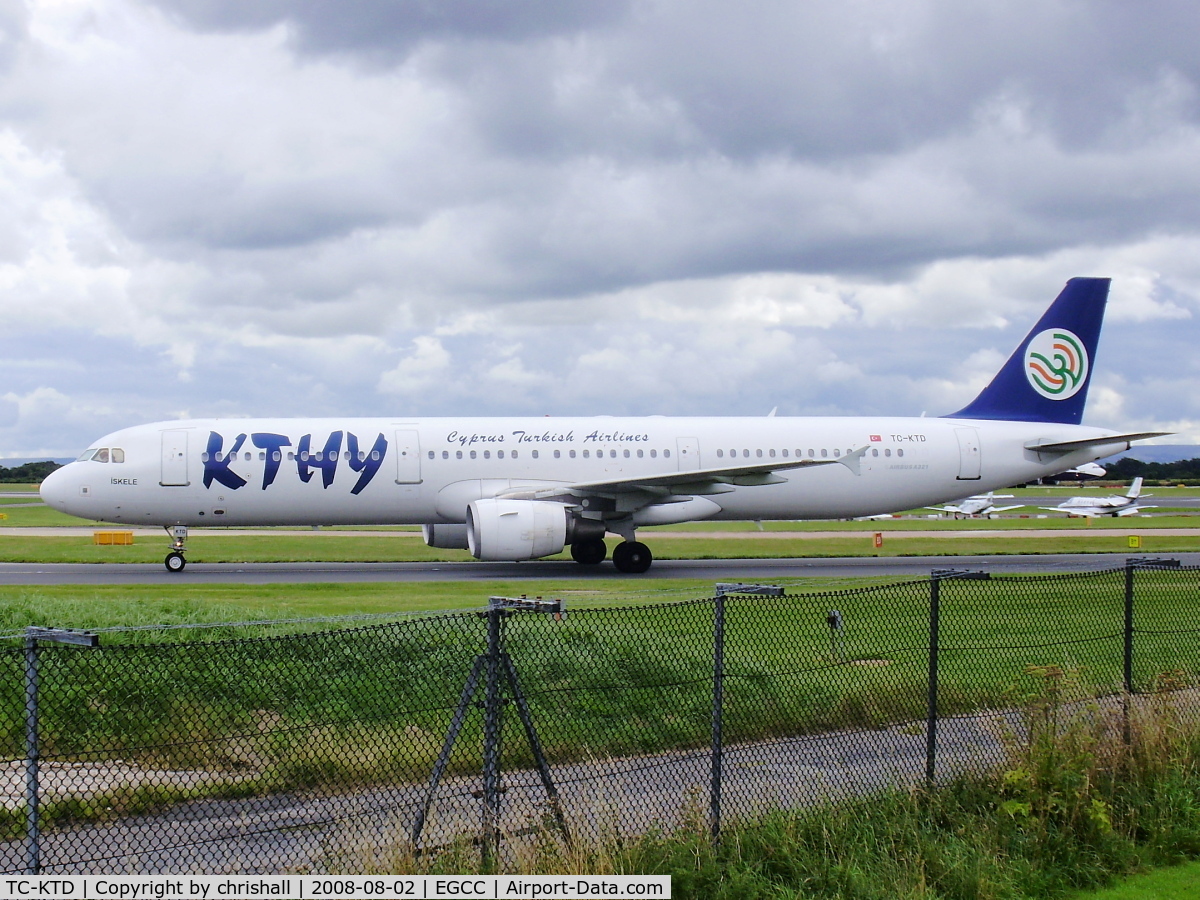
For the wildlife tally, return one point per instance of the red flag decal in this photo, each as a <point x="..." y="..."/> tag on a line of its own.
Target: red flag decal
<point x="876" y="437"/>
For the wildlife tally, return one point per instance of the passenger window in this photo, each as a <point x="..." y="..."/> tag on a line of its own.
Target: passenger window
<point x="653" y="454"/>
<point x="101" y="455"/>
<point x="375" y="454"/>
<point x="824" y="453"/>
<point x="535" y="454"/>
<point x="640" y="453"/>
<point x="874" y="452"/>
<point x="785" y="453"/>
<point x="745" y="453"/>
<point x="513" y="454"/>
<point x="627" y="454"/>
<point x="586" y="455"/>
<point x="572" y="453"/>
<point x="758" y="453"/>
<point x="612" y="454"/>
<point x="276" y="456"/>
<point x="247" y="457"/>
<point x="887" y="452"/>
<point x="458" y="454"/>
<point x="431" y="454"/>
<point x="445" y="454"/>
<point x="836" y="452"/>
<point x="720" y="453"/>
<point x="487" y="454"/>
<point x="667" y="453"/>
<point x="900" y="452"/>
<point x="771" y="453"/>
<point x="473" y="454"/>
<point x="291" y="456"/>
<point x="118" y="455"/>
<point x="499" y="454"/>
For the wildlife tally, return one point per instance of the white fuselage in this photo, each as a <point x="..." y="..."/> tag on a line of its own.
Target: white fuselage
<point x="427" y="471"/>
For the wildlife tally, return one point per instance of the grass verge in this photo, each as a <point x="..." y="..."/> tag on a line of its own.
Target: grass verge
<point x="1074" y="807"/>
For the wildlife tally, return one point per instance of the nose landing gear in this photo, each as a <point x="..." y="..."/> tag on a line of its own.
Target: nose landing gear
<point x="175" y="560"/>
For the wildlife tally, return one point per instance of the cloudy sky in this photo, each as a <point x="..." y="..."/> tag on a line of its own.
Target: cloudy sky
<point x="437" y="207"/>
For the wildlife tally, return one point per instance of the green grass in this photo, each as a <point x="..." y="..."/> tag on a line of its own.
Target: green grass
<point x="1073" y="807"/>
<point x="604" y="681"/>
<point x="334" y="546"/>
<point x="1174" y="883"/>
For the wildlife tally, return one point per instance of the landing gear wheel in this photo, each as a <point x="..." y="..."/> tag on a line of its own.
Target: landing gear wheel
<point x="589" y="553"/>
<point x="633" y="557"/>
<point x="175" y="561"/>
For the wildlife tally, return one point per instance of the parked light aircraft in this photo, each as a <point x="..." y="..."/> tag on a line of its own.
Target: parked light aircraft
<point x="1092" y="507"/>
<point x="525" y="488"/>
<point x="977" y="506"/>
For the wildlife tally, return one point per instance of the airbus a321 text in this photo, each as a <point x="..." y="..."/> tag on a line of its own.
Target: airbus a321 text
<point x="525" y="488"/>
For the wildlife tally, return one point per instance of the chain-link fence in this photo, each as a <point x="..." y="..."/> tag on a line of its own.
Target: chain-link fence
<point x="332" y="750"/>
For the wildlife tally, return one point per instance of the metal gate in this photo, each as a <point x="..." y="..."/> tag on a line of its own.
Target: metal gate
<point x="174" y="459"/>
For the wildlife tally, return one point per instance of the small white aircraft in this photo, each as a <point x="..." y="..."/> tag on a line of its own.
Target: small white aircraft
<point x="525" y="488"/>
<point x="1077" y="475"/>
<point x="977" y="506"/>
<point x="1093" y="507"/>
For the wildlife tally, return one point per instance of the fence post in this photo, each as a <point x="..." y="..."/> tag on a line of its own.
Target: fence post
<point x="1132" y="564"/>
<point x="33" y="861"/>
<point x="936" y="576"/>
<point x="717" y="755"/>
<point x="718" y="702"/>
<point x="491" y="739"/>
<point x="33" y="743"/>
<point x="931" y="708"/>
<point x="1130" y="567"/>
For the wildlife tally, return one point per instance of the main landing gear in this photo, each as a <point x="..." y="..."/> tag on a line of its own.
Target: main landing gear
<point x="632" y="557"/>
<point x="175" y="560"/>
<point x="590" y="552"/>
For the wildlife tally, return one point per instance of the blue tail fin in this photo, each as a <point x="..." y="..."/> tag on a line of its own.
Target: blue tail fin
<point x="1047" y="377"/>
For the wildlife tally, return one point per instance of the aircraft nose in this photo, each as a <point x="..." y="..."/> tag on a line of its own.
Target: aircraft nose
<point x="56" y="488"/>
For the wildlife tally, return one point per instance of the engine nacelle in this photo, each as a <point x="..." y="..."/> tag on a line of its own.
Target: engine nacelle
<point x="446" y="537"/>
<point x="499" y="529"/>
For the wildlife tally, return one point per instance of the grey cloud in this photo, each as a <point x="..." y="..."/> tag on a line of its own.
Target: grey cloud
<point x="389" y="30"/>
<point x="14" y="20"/>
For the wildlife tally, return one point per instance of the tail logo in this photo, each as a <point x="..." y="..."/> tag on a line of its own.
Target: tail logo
<point x="1056" y="363"/>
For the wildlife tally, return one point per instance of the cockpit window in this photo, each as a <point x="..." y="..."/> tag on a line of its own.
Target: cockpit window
<point x="101" y="455"/>
<point x="118" y="455"/>
<point x="86" y="454"/>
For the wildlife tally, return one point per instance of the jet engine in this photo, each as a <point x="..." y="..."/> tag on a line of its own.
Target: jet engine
<point x="445" y="537"/>
<point x="499" y="529"/>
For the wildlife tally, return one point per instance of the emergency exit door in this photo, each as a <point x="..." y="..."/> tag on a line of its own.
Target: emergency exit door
<point x="174" y="459"/>
<point x="969" y="465"/>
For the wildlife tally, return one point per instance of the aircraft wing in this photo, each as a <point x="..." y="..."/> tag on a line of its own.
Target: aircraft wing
<point x="1134" y="509"/>
<point x="678" y="484"/>
<point x="996" y="509"/>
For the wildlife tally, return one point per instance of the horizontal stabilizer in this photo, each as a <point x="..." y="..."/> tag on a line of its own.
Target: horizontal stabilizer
<point x="1084" y="443"/>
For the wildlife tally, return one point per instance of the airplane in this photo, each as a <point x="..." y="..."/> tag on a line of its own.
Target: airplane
<point x="525" y="488"/>
<point x="977" y="506"/>
<point x="1093" y="507"/>
<point x="1077" y="475"/>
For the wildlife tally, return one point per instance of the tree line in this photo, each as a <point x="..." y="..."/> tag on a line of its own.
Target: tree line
<point x="1129" y="468"/>
<point x="28" y="473"/>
